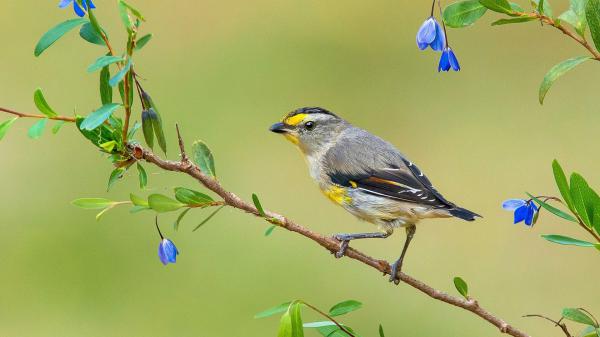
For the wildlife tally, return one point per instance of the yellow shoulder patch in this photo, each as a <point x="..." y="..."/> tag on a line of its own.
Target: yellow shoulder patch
<point x="295" y="120"/>
<point x="337" y="195"/>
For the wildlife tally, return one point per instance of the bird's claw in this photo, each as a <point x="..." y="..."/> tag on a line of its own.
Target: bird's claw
<point x="343" y="246"/>
<point x="396" y="269"/>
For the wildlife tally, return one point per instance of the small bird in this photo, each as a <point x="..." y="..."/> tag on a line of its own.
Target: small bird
<point x="367" y="176"/>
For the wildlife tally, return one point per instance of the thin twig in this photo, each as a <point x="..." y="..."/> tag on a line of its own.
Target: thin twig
<point x="184" y="158"/>
<point x="548" y="20"/>
<point x="24" y="115"/>
<point x="328" y="243"/>
<point x="558" y="323"/>
<point x="329" y="318"/>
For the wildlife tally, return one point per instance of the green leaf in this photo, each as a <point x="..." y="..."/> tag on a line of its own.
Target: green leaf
<point x="258" y="206"/>
<point x="138" y="201"/>
<point x="162" y="204"/>
<point x="208" y="218"/>
<point x="463" y="13"/>
<point x="37" y="129"/>
<point x="273" y="311"/>
<point x="106" y="91"/>
<point x="381" y="334"/>
<point x="155" y="122"/>
<point x="108" y="146"/>
<point x="180" y="217"/>
<point x="513" y="20"/>
<point x="97" y="136"/>
<point x="577" y="315"/>
<point x="579" y="192"/>
<point x="596" y="220"/>
<point x="136" y="126"/>
<point x="461" y="286"/>
<point x="57" y="126"/>
<point x="142" y="176"/>
<point x="119" y="76"/>
<point x="285" y="325"/>
<point x="88" y="33"/>
<point x="500" y="6"/>
<point x="160" y="135"/>
<point x="269" y="230"/>
<point x="147" y="116"/>
<point x="142" y="41"/>
<point x="123" y="13"/>
<point x="103" y="61"/>
<point x="590" y="331"/>
<point x="515" y="7"/>
<point x="296" y="318"/>
<point x="4" y="126"/>
<point x="92" y="203"/>
<point x="203" y="157"/>
<point x="543" y="6"/>
<point x="335" y="331"/>
<point x="575" y="16"/>
<point x="318" y="324"/>
<point x="96" y="118"/>
<point x="562" y="184"/>
<point x="133" y="10"/>
<point x="344" y="307"/>
<point x="191" y="197"/>
<point x="557" y="71"/>
<point x="592" y="14"/>
<point x="565" y="240"/>
<point x="42" y="105"/>
<point x="115" y="175"/>
<point x="56" y="33"/>
<point x="553" y="209"/>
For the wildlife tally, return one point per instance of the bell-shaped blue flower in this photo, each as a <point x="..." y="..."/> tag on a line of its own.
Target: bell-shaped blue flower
<point x="523" y="210"/>
<point x="167" y="252"/>
<point x="431" y="34"/>
<point x="448" y="60"/>
<point x="80" y="9"/>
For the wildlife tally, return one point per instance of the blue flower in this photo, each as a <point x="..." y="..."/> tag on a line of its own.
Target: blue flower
<point x="78" y="7"/>
<point x="523" y="210"/>
<point x="431" y="34"/>
<point x="167" y="252"/>
<point x="448" y="60"/>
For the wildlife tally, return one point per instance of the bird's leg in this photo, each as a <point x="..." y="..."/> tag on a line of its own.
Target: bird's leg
<point x="397" y="266"/>
<point x="346" y="238"/>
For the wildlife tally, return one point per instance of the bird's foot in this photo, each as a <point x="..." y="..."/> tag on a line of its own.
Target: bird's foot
<point x="396" y="269"/>
<point x="345" y="242"/>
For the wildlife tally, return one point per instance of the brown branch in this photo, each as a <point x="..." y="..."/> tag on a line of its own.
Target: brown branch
<point x="559" y="323"/>
<point x="24" y="115"/>
<point x="328" y="243"/>
<point x="548" y="20"/>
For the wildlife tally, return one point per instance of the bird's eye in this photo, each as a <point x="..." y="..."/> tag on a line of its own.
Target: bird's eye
<point x="309" y="125"/>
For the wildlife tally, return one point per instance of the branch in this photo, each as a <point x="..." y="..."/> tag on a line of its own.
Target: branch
<point x="328" y="243"/>
<point x="548" y="20"/>
<point x="230" y="199"/>
<point x="24" y="115"/>
<point x="558" y="323"/>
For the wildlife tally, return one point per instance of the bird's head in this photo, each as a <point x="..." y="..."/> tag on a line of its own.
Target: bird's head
<point x="310" y="128"/>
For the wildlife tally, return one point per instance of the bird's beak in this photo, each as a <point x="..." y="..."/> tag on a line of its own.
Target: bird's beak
<point x="279" y="128"/>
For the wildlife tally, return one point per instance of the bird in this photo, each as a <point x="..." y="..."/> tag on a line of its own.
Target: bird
<point x="367" y="176"/>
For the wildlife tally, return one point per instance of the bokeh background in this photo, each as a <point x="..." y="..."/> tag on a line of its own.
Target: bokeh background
<point x="225" y="70"/>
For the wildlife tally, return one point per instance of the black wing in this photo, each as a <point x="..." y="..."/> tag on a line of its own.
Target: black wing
<point x="405" y="183"/>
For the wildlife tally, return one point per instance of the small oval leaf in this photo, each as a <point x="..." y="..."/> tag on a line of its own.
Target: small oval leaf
<point x="344" y="307"/>
<point x="56" y="33"/>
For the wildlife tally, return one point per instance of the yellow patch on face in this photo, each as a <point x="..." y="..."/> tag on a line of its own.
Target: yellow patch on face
<point x="292" y="138"/>
<point x="337" y="195"/>
<point x="295" y="120"/>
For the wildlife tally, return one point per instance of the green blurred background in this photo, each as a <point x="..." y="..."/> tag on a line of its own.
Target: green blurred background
<point x="225" y="70"/>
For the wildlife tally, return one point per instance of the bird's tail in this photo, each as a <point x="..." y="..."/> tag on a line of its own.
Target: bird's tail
<point x="464" y="214"/>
